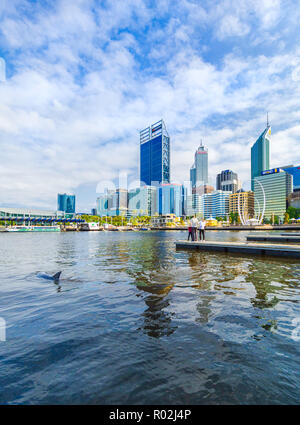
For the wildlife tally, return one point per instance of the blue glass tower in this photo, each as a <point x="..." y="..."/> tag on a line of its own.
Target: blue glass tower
<point x="155" y="154"/>
<point x="66" y="203"/>
<point x="260" y="155"/>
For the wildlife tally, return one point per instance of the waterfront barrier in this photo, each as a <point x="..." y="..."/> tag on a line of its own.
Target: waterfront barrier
<point x="242" y="248"/>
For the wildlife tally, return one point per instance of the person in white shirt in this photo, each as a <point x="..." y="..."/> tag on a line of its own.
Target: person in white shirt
<point x="194" y="223"/>
<point x="202" y="230"/>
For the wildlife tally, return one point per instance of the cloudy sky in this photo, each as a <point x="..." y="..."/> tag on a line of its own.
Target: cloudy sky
<point x="83" y="77"/>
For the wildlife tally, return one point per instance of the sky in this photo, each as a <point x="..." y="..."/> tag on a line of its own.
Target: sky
<point x="79" y="79"/>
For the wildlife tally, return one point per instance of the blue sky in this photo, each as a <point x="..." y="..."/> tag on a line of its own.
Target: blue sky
<point x="83" y="77"/>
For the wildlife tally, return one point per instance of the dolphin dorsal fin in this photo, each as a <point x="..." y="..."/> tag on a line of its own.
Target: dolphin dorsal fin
<point x="56" y="276"/>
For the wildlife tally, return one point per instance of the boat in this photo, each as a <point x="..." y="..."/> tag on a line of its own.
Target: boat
<point x="90" y="226"/>
<point x="144" y="228"/>
<point x="33" y="229"/>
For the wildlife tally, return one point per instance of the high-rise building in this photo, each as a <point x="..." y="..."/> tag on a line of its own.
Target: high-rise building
<point x="142" y="201"/>
<point x="170" y="199"/>
<point x="295" y="172"/>
<point x="200" y="190"/>
<point x="155" y="154"/>
<point x="260" y="154"/>
<point x="66" y="203"/>
<point x="276" y="185"/>
<point x="228" y="180"/>
<point x="194" y="205"/>
<point x="245" y="200"/>
<point x="199" y="170"/>
<point x="216" y="204"/>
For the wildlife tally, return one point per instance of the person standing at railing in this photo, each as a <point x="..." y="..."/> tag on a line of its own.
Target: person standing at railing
<point x="190" y="230"/>
<point x="194" y="223"/>
<point x="202" y="229"/>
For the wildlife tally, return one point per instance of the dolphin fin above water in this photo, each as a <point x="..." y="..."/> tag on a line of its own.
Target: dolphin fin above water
<point x="56" y="276"/>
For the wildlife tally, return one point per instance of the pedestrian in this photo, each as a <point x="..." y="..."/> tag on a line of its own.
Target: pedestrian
<point x="194" y="223"/>
<point x="202" y="230"/>
<point x="190" y="230"/>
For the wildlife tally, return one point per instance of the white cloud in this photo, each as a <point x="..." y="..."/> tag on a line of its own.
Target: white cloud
<point x="82" y="82"/>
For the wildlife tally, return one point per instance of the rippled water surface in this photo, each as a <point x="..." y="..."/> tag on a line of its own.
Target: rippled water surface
<point x="133" y="321"/>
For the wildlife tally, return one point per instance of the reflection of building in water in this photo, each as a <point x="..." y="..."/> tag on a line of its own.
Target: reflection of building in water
<point x="152" y="269"/>
<point x="265" y="276"/>
<point x="157" y="321"/>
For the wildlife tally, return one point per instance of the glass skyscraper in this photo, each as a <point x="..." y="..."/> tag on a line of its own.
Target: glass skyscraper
<point x="199" y="170"/>
<point x="170" y="199"/>
<point x="260" y="155"/>
<point x="228" y="180"/>
<point x="155" y="154"/>
<point x="66" y="203"/>
<point x="295" y="172"/>
<point x="277" y="186"/>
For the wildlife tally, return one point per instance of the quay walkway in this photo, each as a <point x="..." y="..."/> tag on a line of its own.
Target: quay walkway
<point x="243" y="248"/>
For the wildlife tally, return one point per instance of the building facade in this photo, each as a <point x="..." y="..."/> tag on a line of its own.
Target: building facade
<point x="113" y="203"/>
<point x="246" y="202"/>
<point x="295" y="172"/>
<point x="199" y="170"/>
<point x="260" y="155"/>
<point x="216" y="204"/>
<point x="155" y="154"/>
<point x="194" y="205"/>
<point x="227" y="180"/>
<point x="277" y="186"/>
<point x="66" y="203"/>
<point x="170" y="199"/>
<point x="142" y="201"/>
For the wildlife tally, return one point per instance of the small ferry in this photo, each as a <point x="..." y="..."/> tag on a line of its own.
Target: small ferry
<point x="33" y="229"/>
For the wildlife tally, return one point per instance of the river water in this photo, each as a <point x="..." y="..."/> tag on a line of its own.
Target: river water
<point x="133" y="321"/>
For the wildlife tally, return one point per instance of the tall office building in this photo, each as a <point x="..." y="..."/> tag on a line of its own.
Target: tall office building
<point x="155" y="154"/>
<point x="260" y="154"/>
<point x="199" y="170"/>
<point x="277" y="186"/>
<point x="228" y="180"/>
<point x="295" y="172"/>
<point x="66" y="203"/>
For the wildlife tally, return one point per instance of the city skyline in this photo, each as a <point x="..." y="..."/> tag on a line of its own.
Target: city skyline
<point x="77" y="92"/>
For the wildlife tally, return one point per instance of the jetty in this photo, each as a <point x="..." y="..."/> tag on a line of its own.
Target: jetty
<point x="278" y="250"/>
<point x="272" y="238"/>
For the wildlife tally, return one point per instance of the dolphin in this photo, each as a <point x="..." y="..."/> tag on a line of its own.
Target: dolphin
<point x="55" y="277"/>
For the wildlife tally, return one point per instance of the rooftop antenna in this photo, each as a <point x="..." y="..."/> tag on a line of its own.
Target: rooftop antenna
<point x="268" y="124"/>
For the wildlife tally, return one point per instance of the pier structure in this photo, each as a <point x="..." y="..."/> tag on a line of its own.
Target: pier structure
<point x="278" y="250"/>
